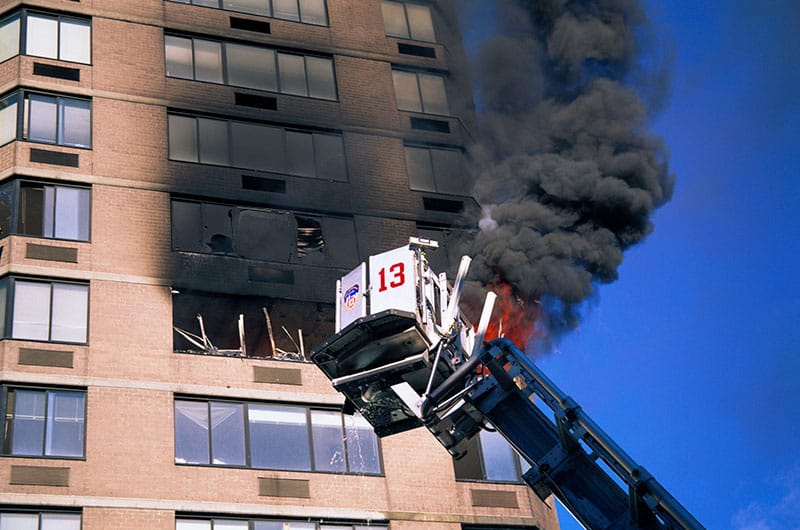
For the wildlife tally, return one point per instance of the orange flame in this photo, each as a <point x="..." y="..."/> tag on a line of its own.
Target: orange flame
<point x="514" y="318"/>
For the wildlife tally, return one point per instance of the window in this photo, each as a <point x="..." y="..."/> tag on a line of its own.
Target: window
<point x="490" y="457"/>
<point x="257" y="146"/>
<point x="408" y="21"/>
<point x="196" y="523"/>
<point x="273" y="436"/>
<point x="44" y="210"/>
<point x="45" y="310"/>
<point x="8" y="118"/>
<point x="44" y="422"/>
<point x="496" y="527"/>
<point x="434" y="169"/>
<point x="420" y="92"/>
<point x="58" y="37"/>
<point x="58" y="120"/>
<point x="46" y="35"/>
<point x="305" y="11"/>
<point x="250" y="67"/>
<point x="9" y="37"/>
<point x="305" y="239"/>
<point x="46" y="118"/>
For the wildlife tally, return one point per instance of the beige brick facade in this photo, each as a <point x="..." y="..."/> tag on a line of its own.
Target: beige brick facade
<point x="128" y="477"/>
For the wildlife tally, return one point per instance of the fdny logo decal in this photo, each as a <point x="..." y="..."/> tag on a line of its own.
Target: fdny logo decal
<point x="350" y="297"/>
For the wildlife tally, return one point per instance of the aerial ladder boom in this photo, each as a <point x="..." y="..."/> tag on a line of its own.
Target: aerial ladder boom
<point x="564" y="453"/>
<point x="404" y="357"/>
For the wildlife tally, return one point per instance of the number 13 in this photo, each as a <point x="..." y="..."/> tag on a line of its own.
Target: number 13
<point x="397" y="278"/>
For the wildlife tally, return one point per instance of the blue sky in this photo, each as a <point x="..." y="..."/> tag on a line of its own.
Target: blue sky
<point x="691" y="359"/>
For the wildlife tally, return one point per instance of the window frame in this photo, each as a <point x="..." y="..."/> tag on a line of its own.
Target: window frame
<point x="9" y="418"/>
<point x="409" y="35"/>
<point x="252" y="521"/>
<point x="419" y="91"/>
<point x="284" y="130"/>
<point x="307" y="409"/>
<point x="9" y="281"/>
<point x="17" y="184"/>
<point x="7" y="18"/>
<point x="477" y="444"/>
<point x="298" y="3"/>
<point x="432" y="164"/>
<point x="277" y="52"/>
<point x="329" y="261"/>
<point x="22" y="44"/>
<point x="24" y="116"/>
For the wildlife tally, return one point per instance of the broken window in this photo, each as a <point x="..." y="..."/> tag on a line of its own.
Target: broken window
<point x="274" y="436"/>
<point x="217" y="324"/>
<point x="262" y="234"/>
<point x="310" y="243"/>
<point x="265" y="235"/>
<point x="217" y="228"/>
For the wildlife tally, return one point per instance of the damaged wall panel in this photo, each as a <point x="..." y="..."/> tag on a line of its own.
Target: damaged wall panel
<point x="264" y="234"/>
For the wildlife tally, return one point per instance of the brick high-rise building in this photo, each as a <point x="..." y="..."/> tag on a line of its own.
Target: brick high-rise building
<point x="161" y="159"/>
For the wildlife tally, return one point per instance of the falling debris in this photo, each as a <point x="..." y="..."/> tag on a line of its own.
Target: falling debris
<point x="565" y="168"/>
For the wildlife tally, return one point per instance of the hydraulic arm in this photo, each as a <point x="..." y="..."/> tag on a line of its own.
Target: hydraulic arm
<point x="564" y="452"/>
<point x="404" y="357"/>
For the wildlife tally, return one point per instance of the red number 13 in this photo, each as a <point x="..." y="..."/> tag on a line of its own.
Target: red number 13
<point x="397" y="278"/>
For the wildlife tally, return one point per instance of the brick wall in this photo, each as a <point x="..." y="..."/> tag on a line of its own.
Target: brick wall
<point x="129" y="479"/>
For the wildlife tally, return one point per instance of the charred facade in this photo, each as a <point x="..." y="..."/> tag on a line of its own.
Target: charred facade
<point x="183" y="181"/>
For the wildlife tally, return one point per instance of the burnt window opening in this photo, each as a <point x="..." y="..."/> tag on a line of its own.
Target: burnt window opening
<point x="309" y="237"/>
<point x="220" y="324"/>
<point x="263" y="234"/>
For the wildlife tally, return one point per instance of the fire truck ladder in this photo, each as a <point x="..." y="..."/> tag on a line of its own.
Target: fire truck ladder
<point x="498" y="385"/>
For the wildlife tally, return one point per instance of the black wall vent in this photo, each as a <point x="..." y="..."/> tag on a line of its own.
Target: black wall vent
<point x="442" y="205"/>
<point x="413" y="49"/>
<point x="39" y="476"/>
<point x="51" y="253"/>
<point x="250" y="182"/>
<point x="250" y="25"/>
<point x="60" y="72"/>
<point x="37" y="357"/>
<point x="427" y="124"/>
<point x="54" y="157"/>
<point x="256" y="101"/>
<point x="261" y="273"/>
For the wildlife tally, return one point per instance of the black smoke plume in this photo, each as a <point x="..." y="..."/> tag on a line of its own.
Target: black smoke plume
<point x="565" y="168"/>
